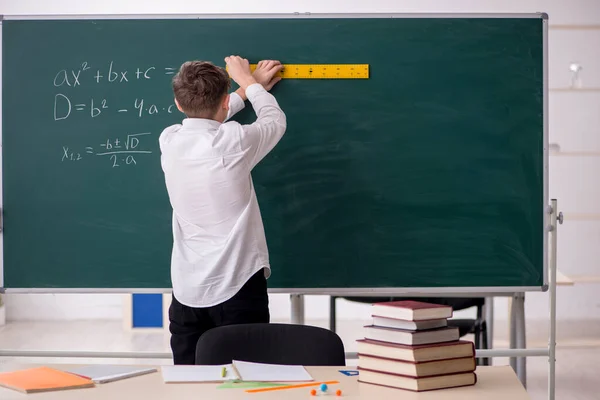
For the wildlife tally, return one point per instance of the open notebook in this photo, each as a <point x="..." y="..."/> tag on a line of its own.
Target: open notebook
<point x="237" y="371"/>
<point x="257" y="372"/>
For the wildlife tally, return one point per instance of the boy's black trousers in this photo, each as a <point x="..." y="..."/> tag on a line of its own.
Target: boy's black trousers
<point x="186" y="324"/>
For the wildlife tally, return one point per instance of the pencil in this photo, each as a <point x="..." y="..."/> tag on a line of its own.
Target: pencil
<point x="301" y="385"/>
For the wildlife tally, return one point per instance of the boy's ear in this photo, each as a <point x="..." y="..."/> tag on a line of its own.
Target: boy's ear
<point x="225" y="103"/>
<point x="178" y="106"/>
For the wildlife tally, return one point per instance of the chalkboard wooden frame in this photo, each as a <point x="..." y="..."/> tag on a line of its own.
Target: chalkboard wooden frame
<point x="328" y="291"/>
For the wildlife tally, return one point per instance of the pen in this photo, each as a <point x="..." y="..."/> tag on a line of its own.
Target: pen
<point x="223" y="372"/>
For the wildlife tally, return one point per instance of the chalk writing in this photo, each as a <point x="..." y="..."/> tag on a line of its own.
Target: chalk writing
<point x="71" y="100"/>
<point x="109" y="72"/>
<point x="119" y="151"/>
<point x="64" y="107"/>
<point x="145" y="73"/>
<point x="70" y="155"/>
<point x="70" y="77"/>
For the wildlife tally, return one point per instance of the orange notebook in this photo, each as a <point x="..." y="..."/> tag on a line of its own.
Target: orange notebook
<point x="42" y="379"/>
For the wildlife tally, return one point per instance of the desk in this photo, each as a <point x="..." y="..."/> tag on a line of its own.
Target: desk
<point x="563" y="280"/>
<point x="583" y="279"/>
<point x="494" y="383"/>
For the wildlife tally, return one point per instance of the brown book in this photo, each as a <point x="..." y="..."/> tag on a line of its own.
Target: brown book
<point x="410" y="325"/>
<point x="416" y="384"/>
<point x="411" y="310"/>
<point x="421" y="353"/>
<point x="417" y="370"/>
<point x="401" y="336"/>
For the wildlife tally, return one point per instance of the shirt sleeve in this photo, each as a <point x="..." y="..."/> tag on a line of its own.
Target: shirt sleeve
<point x="236" y="104"/>
<point x="260" y="137"/>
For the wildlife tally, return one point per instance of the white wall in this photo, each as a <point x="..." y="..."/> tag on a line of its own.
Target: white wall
<point x="561" y="11"/>
<point x="574" y="118"/>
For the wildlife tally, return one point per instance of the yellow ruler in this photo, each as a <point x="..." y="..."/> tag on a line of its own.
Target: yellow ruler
<point x="323" y="71"/>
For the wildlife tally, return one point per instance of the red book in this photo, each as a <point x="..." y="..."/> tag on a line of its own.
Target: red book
<point x="416" y="384"/>
<point x="439" y="335"/>
<point x="421" y="353"/>
<point x="410" y="325"/>
<point x="417" y="370"/>
<point x="410" y="310"/>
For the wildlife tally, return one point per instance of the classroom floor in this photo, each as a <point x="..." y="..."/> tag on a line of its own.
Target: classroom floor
<point x="578" y="349"/>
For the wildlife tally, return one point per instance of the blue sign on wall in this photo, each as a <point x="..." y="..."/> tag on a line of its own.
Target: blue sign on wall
<point x="147" y="310"/>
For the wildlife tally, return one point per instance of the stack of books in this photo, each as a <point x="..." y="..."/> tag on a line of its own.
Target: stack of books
<point x="410" y="346"/>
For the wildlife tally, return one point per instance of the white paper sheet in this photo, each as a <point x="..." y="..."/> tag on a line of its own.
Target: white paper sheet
<point x="197" y="373"/>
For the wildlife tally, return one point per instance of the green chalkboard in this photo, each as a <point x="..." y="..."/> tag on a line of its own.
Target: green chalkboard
<point x="428" y="174"/>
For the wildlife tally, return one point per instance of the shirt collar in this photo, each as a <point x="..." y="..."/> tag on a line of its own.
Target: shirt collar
<point x="200" y="123"/>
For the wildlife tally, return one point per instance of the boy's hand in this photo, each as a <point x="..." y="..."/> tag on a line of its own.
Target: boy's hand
<point x="239" y="70"/>
<point x="266" y="71"/>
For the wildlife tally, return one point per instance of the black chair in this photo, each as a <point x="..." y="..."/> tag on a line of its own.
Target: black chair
<point x="271" y="343"/>
<point x="476" y="326"/>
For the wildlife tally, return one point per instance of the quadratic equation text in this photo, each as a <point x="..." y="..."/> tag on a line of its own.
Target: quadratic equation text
<point x="85" y="74"/>
<point x="119" y="151"/>
<point x="64" y="107"/>
<point x="70" y="99"/>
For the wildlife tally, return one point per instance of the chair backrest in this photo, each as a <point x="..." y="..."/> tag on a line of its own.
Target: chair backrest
<point x="284" y="344"/>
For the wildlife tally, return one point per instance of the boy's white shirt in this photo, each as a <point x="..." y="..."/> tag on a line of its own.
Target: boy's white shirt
<point x="218" y="236"/>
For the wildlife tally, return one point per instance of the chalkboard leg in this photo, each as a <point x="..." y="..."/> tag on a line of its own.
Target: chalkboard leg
<point x="556" y="218"/>
<point x="332" y="313"/>
<point x="489" y="321"/>
<point x="297" y="308"/>
<point x="512" y="334"/>
<point x="517" y="335"/>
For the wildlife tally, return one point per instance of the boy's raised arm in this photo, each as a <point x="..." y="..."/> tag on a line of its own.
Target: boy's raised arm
<point x="261" y="136"/>
<point x="236" y="102"/>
